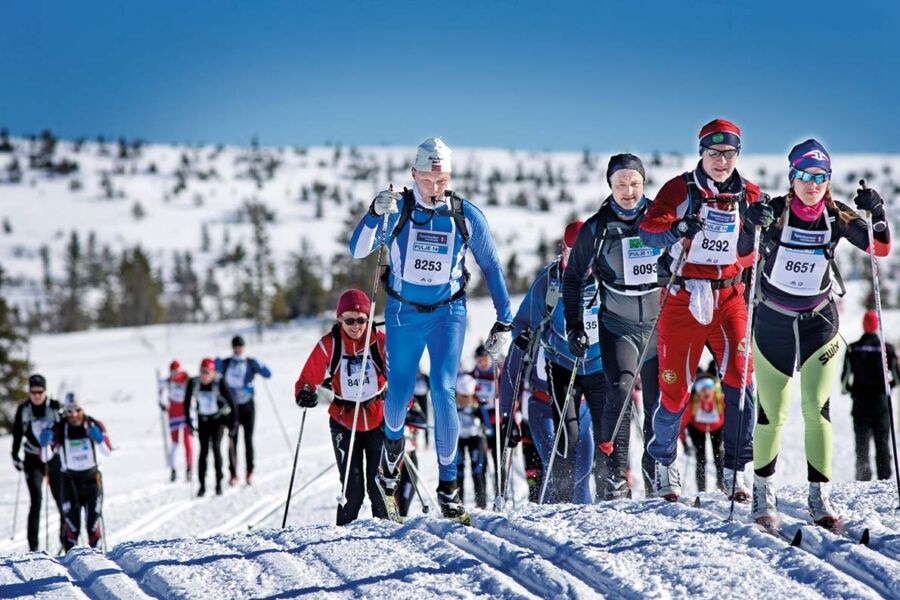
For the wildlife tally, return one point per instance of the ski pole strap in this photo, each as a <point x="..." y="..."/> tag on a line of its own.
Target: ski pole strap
<point x="794" y="314"/>
<point x="716" y="284"/>
<point x="424" y="308"/>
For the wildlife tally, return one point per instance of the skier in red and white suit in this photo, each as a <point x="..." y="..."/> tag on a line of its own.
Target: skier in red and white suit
<point x="174" y="388"/>
<point x="702" y="212"/>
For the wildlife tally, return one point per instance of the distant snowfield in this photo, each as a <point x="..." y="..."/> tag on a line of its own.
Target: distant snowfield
<point x="164" y="542"/>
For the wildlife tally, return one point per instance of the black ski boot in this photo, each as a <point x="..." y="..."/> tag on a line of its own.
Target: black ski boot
<point x="187" y="475"/>
<point x="388" y="478"/>
<point x="219" y="487"/>
<point x="202" y="491"/>
<point x="173" y="476"/>
<point x="451" y="506"/>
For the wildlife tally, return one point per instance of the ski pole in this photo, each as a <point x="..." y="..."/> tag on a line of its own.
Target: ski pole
<point x="498" y="466"/>
<point x="607" y="447"/>
<point x="102" y="511"/>
<point x="296" y="492"/>
<point x="287" y="504"/>
<point x="12" y="533"/>
<point x="284" y="433"/>
<point x="562" y="422"/>
<point x="745" y="371"/>
<point x="46" y="508"/>
<point x="363" y="370"/>
<point x="506" y="464"/>
<point x="416" y="479"/>
<point x="876" y="291"/>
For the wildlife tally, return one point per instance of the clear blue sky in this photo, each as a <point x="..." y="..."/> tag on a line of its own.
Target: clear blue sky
<point x="518" y="74"/>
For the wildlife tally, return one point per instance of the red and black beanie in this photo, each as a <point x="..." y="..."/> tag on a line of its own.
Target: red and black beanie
<point x="720" y="131"/>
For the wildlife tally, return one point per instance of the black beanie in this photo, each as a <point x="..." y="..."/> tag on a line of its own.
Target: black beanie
<point x="618" y="162"/>
<point x="37" y="381"/>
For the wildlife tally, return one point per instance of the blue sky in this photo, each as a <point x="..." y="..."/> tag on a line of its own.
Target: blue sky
<point x="557" y="75"/>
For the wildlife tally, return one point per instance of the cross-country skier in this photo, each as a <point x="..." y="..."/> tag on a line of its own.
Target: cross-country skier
<point x="239" y="371"/>
<point x="173" y="388"/>
<point x="701" y="212"/>
<point x="704" y="417"/>
<point x="541" y="317"/>
<point x="862" y="378"/>
<point x="336" y="362"/>
<point x="429" y="230"/>
<point x="796" y="325"/>
<point x="609" y="250"/>
<point x="32" y="417"/>
<point x="485" y="391"/>
<point x="471" y="439"/>
<point x="79" y="439"/>
<point x="210" y="396"/>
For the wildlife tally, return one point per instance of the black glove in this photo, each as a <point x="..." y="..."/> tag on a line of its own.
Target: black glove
<point x="758" y="213"/>
<point x="515" y="436"/>
<point x="578" y="342"/>
<point x="307" y="398"/>
<point x="18" y="464"/>
<point x="687" y="227"/>
<point x="523" y="340"/>
<point x="867" y="200"/>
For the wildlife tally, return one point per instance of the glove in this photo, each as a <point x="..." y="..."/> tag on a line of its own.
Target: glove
<point x="46" y="437"/>
<point x="498" y="338"/>
<point x="687" y="227"/>
<point x="96" y="434"/>
<point x="578" y="342"/>
<point x="515" y="436"/>
<point x="867" y="199"/>
<point x="18" y="464"/>
<point x="307" y="398"/>
<point x="163" y="407"/>
<point x="488" y="431"/>
<point x="523" y="340"/>
<point x="384" y="203"/>
<point x="758" y="214"/>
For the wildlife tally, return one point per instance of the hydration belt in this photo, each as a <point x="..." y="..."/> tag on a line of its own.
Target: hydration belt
<point x="423" y="308"/>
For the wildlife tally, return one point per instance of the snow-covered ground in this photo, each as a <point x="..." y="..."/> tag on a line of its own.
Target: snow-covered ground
<point x="165" y="542"/>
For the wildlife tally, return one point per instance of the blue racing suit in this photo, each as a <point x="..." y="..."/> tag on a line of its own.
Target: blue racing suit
<point x="427" y="266"/>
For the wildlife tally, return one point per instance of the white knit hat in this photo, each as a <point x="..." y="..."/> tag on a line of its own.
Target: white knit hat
<point x="70" y="401"/>
<point x="433" y="156"/>
<point x="465" y="385"/>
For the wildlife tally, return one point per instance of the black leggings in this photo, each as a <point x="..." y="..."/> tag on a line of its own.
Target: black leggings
<point x="81" y="490"/>
<point x="870" y="428"/>
<point x="210" y="435"/>
<point x="698" y="439"/>
<point x="246" y="418"/>
<point x="366" y="446"/>
<point x="593" y="387"/>
<point x="474" y="447"/>
<point x="34" y="479"/>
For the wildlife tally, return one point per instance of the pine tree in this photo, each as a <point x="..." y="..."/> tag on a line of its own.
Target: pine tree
<point x="70" y="310"/>
<point x="14" y="364"/>
<point x="205" y="241"/>
<point x="140" y="290"/>
<point x="257" y="288"/>
<point x="348" y="272"/>
<point x="305" y="294"/>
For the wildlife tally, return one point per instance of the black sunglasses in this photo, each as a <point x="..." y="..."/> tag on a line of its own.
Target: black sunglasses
<point x="357" y="321"/>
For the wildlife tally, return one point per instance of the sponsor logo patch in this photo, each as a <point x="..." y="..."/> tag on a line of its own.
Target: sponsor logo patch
<point x="718" y="138"/>
<point x="669" y="376"/>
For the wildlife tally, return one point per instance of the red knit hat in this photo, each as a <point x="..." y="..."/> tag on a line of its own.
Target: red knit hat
<point x="174" y="365"/>
<point x="207" y="363"/>
<point x="720" y="131"/>
<point x="571" y="233"/>
<point x="353" y="300"/>
<point x="870" y="322"/>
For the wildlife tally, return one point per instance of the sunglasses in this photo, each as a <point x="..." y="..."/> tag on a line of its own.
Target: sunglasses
<point x="206" y="372"/>
<point x="807" y="177"/>
<point x="73" y="411"/>
<point x="726" y="154"/>
<point x="357" y="321"/>
<point x="36" y="392"/>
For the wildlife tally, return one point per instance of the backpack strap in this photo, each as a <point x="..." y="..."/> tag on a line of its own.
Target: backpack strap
<point x="409" y="201"/>
<point x="456" y="210"/>
<point x="337" y="353"/>
<point x="456" y="207"/>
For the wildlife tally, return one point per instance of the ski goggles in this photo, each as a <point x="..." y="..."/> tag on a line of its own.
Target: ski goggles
<point x="356" y="321"/>
<point x="726" y="154"/>
<point x="704" y="384"/>
<point x="805" y="177"/>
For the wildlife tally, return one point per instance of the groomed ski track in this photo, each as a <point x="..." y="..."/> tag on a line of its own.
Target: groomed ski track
<point x="625" y="549"/>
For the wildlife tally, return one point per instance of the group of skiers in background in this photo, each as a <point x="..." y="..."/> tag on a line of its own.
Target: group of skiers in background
<point x="615" y="325"/>
<point x="638" y="293"/>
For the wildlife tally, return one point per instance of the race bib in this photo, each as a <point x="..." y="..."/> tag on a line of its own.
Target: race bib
<point x="177" y="392"/>
<point x="800" y="270"/>
<point x="353" y="384"/>
<point x="207" y="403"/>
<point x="79" y="455"/>
<point x="428" y="257"/>
<point x="639" y="261"/>
<point x="592" y="324"/>
<point x="707" y="417"/>
<point x="716" y="244"/>
<point x="39" y="425"/>
<point x="235" y="374"/>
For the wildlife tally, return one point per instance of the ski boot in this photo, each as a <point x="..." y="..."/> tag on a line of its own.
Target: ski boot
<point x="615" y="488"/>
<point x="249" y="478"/>
<point x="218" y="488"/>
<point x="449" y="502"/>
<point x="820" y="508"/>
<point x="667" y="482"/>
<point x="741" y="493"/>
<point x="232" y="481"/>
<point x="187" y="475"/>
<point x="173" y="476"/>
<point x="388" y="477"/>
<point x="202" y="491"/>
<point x="764" y="508"/>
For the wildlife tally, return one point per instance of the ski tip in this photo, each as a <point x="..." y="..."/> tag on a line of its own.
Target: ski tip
<point x="697" y="502"/>
<point x="864" y="538"/>
<point x="798" y="539"/>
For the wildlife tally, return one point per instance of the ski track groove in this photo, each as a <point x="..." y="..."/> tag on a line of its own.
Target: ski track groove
<point x="852" y="560"/>
<point x="538" y="575"/>
<point x="52" y="578"/>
